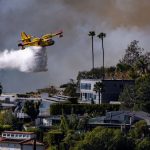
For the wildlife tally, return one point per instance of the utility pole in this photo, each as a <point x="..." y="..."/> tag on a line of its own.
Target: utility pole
<point x="102" y="36"/>
<point x="34" y="143"/>
<point x="92" y="34"/>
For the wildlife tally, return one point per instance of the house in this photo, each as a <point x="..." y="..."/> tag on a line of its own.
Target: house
<point x="48" y="121"/>
<point x="16" y="140"/>
<point x="119" y="118"/>
<point x="111" y="90"/>
<point x="8" y="97"/>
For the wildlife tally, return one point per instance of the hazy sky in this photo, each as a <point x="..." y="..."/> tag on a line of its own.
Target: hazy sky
<point x="121" y="20"/>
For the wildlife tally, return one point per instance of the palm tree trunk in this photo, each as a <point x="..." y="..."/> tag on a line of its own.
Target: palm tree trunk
<point x="99" y="97"/>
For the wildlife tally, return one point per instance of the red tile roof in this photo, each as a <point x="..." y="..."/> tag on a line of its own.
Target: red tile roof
<point x="31" y="142"/>
<point x="5" y="140"/>
<point x="17" y="141"/>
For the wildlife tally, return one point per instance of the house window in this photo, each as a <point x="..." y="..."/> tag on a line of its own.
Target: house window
<point x="86" y="86"/>
<point x="12" y="135"/>
<point x="20" y="135"/>
<point x="90" y="95"/>
<point x="85" y="95"/>
<point x="24" y="135"/>
<point x="42" y="105"/>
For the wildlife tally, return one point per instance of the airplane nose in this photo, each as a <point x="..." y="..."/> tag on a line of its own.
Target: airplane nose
<point x="52" y="42"/>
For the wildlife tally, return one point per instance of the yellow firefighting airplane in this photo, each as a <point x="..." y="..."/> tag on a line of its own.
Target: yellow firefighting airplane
<point x="45" y="40"/>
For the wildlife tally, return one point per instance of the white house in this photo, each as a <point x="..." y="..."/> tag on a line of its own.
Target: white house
<point x="86" y="90"/>
<point x="18" y="135"/>
<point x="8" y="97"/>
<point x="16" y="140"/>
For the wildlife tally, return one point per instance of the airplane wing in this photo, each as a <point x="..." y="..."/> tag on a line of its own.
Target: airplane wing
<point x="47" y="36"/>
<point x="60" y="34"/>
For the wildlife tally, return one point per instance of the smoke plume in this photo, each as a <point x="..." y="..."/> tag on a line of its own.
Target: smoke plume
<point x="122" y="20"/>
<point x="31" y="59"/>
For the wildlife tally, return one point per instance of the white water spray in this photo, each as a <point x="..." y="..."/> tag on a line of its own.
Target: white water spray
<point x="31" y="59"/>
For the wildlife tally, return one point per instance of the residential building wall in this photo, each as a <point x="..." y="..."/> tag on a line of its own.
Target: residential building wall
<point x="10" y="146"/>
<point x="30" y="147"/>
<point x="15" y="146"/>
<point x="17" y="140"/>
<point x="112" y="89"/>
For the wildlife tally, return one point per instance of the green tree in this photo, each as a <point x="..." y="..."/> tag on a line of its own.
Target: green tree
<point x="133" y="74"/>
<point x="121" y="142"/>
<point x="137" y="61"/>
<point x="7" y="118"/>
<point x="99" y="87"/>
<point x="51" y="90"/>
<point x="138" y="95"/>
<point x="140" y="130"/>
<point x="97" y="73"/>
<point x="53" y="138"/>
<point x="110" y="72"/>
<point x="143" y="92"/>
<point x="31" y="108"/>
<point x="70" y="89"/>
<point x="105" y="139"/>
<point x="143" y="144"/>
<point x="122" y="70"/>
<point x="128" y="97"/>
<point x="64" y="124"/>
<point x="68" y="126"/>
<point x="69" y="123"/>
<point x="39" y="132"/>
<point x="132" y="54"/>
<point x="82" y="123"/>
<point x="143" y="88"/>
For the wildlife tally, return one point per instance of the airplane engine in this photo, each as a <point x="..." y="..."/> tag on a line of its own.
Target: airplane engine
<point x="20" y="45"/>
<point x="52" y="42"/>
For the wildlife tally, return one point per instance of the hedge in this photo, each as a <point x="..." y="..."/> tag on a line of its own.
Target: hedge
<point x="5" y="128"/>
<point x="58" y="109"/>
<point x="54" y="137"/>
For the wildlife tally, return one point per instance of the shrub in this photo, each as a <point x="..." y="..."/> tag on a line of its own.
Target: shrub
<point x="58" y="109"/>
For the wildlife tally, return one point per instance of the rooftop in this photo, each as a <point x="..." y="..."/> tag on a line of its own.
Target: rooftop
<point x="18" y="132"/>
<point x="17" y="141"/>
<point x="106" y="80"/>
<point x="121" y="117"/>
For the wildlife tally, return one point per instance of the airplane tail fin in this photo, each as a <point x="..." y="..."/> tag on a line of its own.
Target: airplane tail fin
<point x="25" y="37"/>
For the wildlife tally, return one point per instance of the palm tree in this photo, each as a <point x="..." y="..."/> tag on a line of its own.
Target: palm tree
<point x="92" y="34"/>
<point x="101" y="36"/>
<point x="1" y="89"/>
<point x="99" y="87"/>
<point x="31" y="108"/>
